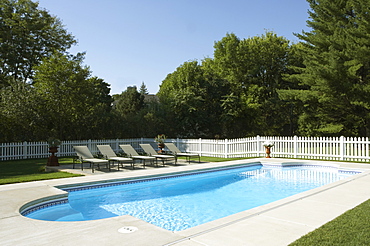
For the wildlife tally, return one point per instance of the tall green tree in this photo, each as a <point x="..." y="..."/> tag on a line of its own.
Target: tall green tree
<point x="127" y="110"/>
<point x="20" y="116"/>
<point x="254" y="68"/>
<point x="129" y="102"/>
<point x="27" y="35"/>
<point x="73" y="104"/>
<point x="191" y="97"/>
<point x="143" y="89"/>
<point x="336" y="69"/>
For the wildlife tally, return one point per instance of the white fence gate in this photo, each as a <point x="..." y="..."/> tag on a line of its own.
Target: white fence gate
<point x="328" y="148"/>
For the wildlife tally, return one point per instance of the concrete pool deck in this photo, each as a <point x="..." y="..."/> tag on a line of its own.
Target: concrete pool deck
<point x="277" y="223"/>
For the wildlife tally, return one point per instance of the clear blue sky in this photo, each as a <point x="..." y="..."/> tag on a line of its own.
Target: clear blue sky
<point x="128" y="42"/>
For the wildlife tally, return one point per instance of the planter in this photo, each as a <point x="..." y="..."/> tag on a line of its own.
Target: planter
<point x="53" y="159"/>
<point x="161" y="147"/>
<point x="268" y="152"/>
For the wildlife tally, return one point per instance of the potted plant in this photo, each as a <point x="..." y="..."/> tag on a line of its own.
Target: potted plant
<point x="268" y="145"/>
<point x="53" y="148"/>
<point x="159" y="139"/>
<point x="54" y="142"/>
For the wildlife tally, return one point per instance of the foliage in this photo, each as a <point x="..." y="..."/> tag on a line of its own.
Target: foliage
<point x="234" y="94"/>
<point x="160" y="138"/>
<point x="190" y="97"/>
<point x="268" y="144"/>
<point x="129" y="102"/>
<point x="54" y="142"/>
<point x="261" y="85"/>
<point x="143" y="89"/>
<point x="62" y="99"/>
<point x="127" y="108"/>
<point x="254" y="68"/>
<point x="28" y="34"/>
<point x="70" y="97"/>
<point x="336" y="69"/>
<point x="20" y="119"/>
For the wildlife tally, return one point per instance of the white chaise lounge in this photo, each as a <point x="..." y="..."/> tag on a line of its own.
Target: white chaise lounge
<point x="111" y="156"/>
<point x="85" y="156"/>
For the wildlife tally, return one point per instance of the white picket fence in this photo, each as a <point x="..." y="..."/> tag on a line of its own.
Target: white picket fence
<point x="328" y="148"/>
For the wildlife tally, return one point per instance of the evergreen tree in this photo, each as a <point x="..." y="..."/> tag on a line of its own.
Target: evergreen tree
<point x="336" y="69"/>
<point x="143" y="89"/>
<point x="129" y="102"/>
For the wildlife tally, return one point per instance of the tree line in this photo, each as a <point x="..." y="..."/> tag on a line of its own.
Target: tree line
<point x="262" y="85"/>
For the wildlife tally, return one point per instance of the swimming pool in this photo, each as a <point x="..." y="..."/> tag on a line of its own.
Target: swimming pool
<point x="180" y="201"/>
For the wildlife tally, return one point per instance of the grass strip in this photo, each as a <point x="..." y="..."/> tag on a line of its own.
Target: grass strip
<point x="18" y="171"/>
<point x="350" y="228"/>
<point x="217" y="159"/>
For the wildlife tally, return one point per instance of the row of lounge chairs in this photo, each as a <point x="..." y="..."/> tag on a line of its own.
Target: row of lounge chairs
<point x="84" y="155"/>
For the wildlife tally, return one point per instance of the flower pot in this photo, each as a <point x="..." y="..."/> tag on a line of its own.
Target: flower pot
<point x="268" y="152"/>
<point x="53" y="159"/>
<point x="161" y="147"/>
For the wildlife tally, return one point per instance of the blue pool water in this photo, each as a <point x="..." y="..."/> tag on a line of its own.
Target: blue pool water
<point x="184" y="201"/>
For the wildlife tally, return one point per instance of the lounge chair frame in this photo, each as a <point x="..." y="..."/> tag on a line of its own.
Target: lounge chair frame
<point x="112" y="157"/>
<point x="149" y="150"/>
<point x="176" y="152"/>
<point x="85" y="156"/>
<point x="131" y="152"/>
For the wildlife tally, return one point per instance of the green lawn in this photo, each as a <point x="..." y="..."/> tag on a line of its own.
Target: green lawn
<point x="18" y="171"/>
<point x="351" y="228"/>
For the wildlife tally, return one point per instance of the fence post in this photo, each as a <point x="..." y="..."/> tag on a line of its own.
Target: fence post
<point x="200" y="147"/>
<point x="367" y="149"/>
<point x="25" y="154"/>
<point x="226" y="148"/>
<point x="341" y="148"/>
<point x="258" y="145"/>
<point x="116" y="148"/>
<point x="295" y="146"/>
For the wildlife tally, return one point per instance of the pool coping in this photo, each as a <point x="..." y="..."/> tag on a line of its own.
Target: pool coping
<point x="277" y="223"/>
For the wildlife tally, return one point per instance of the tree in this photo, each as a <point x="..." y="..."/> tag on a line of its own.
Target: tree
<point x="100" y="104"/>
<point x="127" y="110"/>
<point x="336" y="69"/>
<point x="129" y="102"/>
<point x="74" y="104"/>
<point x="27" y="35"/>
<point x="254" y="68"/>
<point x="20" y="118"/>
<point x="143" y="89"/>
<point x="235" y="94"/>
<point x="191" y="97"/>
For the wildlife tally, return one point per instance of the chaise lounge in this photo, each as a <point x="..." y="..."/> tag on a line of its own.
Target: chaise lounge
<point x="85" y="156"/>
<point x="131" y="152"/>
<point x="148" y="149"/>
<point x="176" y="152"/>
<point x="109" y="154"/>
